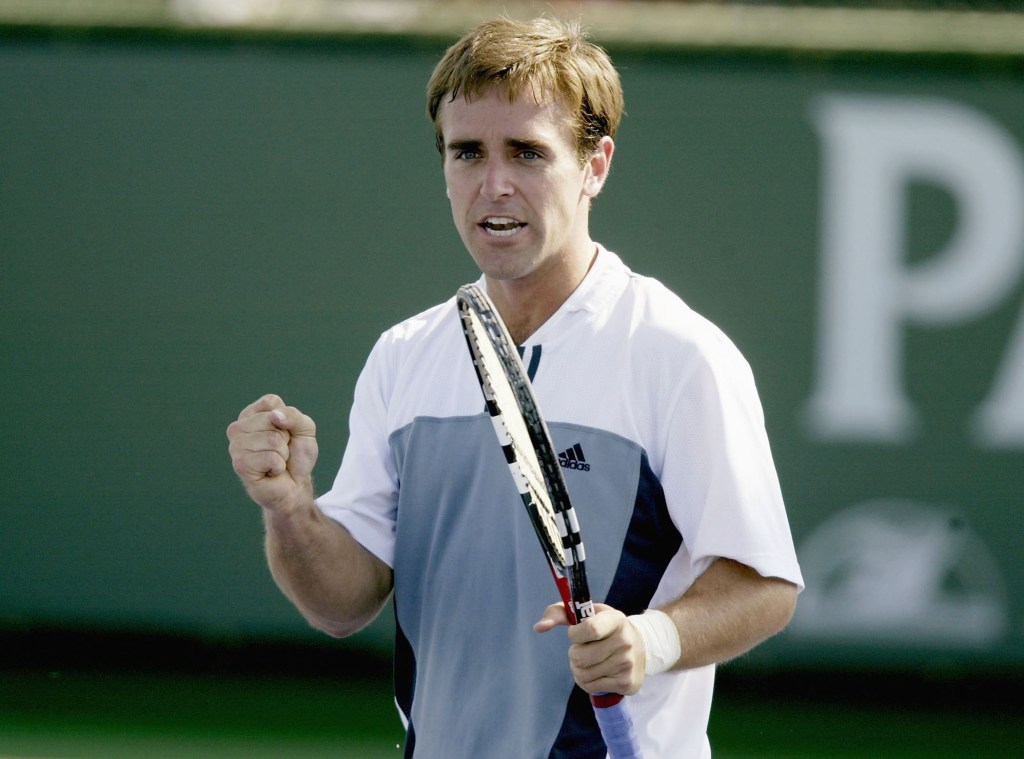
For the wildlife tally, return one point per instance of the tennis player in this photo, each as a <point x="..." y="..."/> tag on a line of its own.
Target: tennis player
<point x="654" y="410"/>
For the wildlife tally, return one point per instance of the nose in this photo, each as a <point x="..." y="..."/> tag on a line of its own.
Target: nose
<point x="497" y="181"/>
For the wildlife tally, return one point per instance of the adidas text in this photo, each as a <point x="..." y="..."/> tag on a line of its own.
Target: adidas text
<point x="580" y="465"/>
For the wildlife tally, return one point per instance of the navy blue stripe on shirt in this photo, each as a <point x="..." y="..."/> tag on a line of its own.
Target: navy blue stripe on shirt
<point x="531" y="370"/>
<point x="404" y="669"/>
<point x="651" y="542"/>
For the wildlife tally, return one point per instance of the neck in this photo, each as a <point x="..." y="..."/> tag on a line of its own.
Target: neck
<point x="526" y="304"/>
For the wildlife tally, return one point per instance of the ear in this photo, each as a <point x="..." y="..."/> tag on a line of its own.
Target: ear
<point x="598" y="166"/>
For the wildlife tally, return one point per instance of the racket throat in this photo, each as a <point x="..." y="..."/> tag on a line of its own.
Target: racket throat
<point x="575" y="611"/>
<point x="562" y="582"/>
<point x="584" y="610"/>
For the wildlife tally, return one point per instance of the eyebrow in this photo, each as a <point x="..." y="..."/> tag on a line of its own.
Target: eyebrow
<point x="535" y="145"/>
<point x="458" y="146"/>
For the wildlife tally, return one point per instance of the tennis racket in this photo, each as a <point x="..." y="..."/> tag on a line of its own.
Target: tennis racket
<point x="531" y="458"/>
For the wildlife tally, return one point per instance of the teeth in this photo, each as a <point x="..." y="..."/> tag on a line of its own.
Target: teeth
<point x="501" y="225"/>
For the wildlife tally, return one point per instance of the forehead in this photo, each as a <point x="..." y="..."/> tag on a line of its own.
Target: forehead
<point x="491" y="115"/>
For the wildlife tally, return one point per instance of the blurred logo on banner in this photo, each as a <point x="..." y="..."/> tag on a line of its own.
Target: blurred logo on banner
<point x="900" y="571"/>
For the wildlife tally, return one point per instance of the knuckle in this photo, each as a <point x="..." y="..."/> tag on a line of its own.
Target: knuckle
<point x="270" y="465"/>
<point x="584" y="629"/>
<point x="274" y="440"/>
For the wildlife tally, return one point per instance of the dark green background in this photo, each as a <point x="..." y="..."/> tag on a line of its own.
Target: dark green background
<point x="189" y="222"/>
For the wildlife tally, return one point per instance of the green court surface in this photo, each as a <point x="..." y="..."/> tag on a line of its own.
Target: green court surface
<point x="269" y="702"/>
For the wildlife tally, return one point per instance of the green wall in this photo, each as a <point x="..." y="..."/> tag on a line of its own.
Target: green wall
<point x="187" y="223"/>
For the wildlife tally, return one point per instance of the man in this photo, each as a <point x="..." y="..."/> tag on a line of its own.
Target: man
<point x="678" y="498"/>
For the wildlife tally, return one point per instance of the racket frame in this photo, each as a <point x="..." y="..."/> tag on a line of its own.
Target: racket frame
<point x="566" y="556"/>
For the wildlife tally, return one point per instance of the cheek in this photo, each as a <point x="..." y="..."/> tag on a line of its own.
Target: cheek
<point x="459" y="207"/>
<point x="455" y="195"/>
<point x="565" y="196"/>
<point x="456" y="188"/>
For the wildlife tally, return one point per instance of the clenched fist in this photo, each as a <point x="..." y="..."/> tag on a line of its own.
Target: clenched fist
<point x="273" y="450"/>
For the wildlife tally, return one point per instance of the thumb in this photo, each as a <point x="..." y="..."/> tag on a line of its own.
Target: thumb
<point x="554" y="616"/>
<point x="302" y="445"/>
<point x="293" y="421"/>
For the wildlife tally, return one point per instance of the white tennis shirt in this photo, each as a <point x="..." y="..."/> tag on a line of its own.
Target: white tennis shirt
<point x="668" y="465"/>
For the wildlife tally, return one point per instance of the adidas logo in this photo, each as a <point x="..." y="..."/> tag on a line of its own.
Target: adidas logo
<point x="573" y="458"/>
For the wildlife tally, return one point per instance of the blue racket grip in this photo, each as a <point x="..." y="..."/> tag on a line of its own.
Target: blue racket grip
<point x="616" y="726"/>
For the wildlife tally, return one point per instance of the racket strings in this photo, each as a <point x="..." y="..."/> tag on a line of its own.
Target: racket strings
<point x="522" y="433"/>
<point x="513" y="434"/>
<point x="527" y="446"/>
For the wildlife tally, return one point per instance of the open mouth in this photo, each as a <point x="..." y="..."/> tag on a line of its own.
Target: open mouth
<point x="501" y="226"/>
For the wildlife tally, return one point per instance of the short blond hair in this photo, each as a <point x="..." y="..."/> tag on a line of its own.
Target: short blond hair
<point x="543" y="57"/>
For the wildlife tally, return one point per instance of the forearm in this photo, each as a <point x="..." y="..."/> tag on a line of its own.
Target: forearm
<point x="727" y="611"/>
<point x="337" y="585"/>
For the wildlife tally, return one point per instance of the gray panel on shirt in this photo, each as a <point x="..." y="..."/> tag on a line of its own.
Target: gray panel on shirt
<point x="471" y="579"/>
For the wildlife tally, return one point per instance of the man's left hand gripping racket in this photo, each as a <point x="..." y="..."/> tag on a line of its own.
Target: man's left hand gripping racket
<point x="525" y="440"/>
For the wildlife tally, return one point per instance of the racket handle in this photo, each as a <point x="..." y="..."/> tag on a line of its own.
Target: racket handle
<point x="616" y="726"/>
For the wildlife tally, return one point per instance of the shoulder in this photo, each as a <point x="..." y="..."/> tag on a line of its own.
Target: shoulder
<point x="430" y="335"/>
<point x="666" y="325"/>
<point x="652" y="309"/>
<point x="436" y="328"/>
<point x="653" y="328"/>
<point x="421" y="326"/>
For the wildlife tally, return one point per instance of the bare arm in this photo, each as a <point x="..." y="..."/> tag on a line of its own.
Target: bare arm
<point x="335" y="583"/>
<point x="727" y="611"/>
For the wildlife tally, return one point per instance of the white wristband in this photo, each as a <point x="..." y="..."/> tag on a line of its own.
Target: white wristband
<point x="660" y="638"/>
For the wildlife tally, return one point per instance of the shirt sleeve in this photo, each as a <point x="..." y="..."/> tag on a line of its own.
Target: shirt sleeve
<point x="719" y="475"/>
<point x="364" y="496"/>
